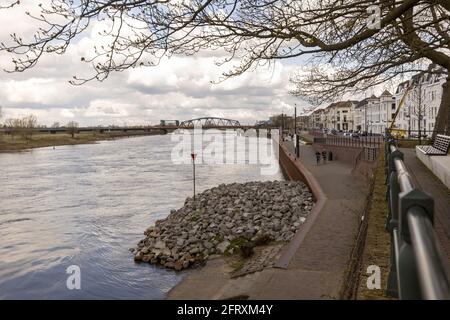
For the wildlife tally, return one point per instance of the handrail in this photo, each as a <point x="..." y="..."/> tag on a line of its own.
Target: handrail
<point x="431" y="274"/>
<point x="417" y="269"/>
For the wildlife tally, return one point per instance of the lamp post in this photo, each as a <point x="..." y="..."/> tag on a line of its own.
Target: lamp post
<point x="409" y="120"/>
<point x="365" y="118"/>
<point x="297" y="141"/>
<point x="193" y="156"/>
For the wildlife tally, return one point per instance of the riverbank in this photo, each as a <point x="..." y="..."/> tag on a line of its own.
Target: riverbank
<point x="9" y="143"/>
<point x="314" y="264"/>
<point x="225" y="220"/>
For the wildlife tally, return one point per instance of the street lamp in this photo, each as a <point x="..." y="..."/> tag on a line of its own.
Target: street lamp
<point x="193" y="156"/>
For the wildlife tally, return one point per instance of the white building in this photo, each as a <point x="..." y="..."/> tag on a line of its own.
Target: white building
<point x="374" y="114"/>
<point x="364" y="113"/>
<point x="342" y="115"/>
<point x="422" y="101"/>
<point x="339" y="116"/>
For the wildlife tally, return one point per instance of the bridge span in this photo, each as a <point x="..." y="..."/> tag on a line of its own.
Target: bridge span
<point x="204" y="123"/>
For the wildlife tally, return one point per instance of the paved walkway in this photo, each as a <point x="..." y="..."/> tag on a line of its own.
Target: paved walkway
<point x="429" y="183"/>
<point x="317" y="269"/>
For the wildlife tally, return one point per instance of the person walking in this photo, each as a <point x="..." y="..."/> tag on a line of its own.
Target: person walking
<point x="318" y="157"/>
<point x="324" y="156"/>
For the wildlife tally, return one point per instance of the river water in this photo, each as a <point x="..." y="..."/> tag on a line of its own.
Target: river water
<point x="86" y="205"/>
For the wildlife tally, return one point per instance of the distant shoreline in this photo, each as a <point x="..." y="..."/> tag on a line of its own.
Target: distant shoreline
<point x="17" y="143"/>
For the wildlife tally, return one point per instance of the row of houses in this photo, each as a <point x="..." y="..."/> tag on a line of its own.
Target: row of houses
<point x="422" y="97"/>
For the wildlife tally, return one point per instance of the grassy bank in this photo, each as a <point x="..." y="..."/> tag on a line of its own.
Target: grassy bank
<point x="17" y="143"/>
<point x="377" y="243"/>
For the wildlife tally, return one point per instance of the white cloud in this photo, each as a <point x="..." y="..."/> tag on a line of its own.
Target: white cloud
<point x="67" y="114"/>
<point x="45" y="91"/>
<point x="178" y="88"/>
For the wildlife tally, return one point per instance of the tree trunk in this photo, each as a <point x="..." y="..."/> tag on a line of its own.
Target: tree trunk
<point x="442" y="125"/>
<point x="420" y="134"/>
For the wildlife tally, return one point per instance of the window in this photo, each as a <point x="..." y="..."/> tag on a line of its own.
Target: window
<point x="393" y="106"/>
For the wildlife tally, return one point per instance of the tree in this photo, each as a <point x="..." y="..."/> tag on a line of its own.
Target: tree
<point x="352" y="45"/>
<point x="29" y="123"/>
<point x="417" y="107"/>
<point x="56" y="125"/>
<point x="23" y="126"/>
<point x="9" y="124"/>
<point x="72" y="128"/>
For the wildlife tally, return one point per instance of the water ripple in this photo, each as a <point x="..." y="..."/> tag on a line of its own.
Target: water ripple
<point x="86" y="205"/>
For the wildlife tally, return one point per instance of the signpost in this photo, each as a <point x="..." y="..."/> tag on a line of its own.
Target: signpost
<point x="296" y="136"/>
<point x="193" y="156"/>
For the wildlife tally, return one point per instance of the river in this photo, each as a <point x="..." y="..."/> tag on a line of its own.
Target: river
<point x="86" y="205"/>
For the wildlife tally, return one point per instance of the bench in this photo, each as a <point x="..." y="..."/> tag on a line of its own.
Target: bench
<point x="440" y="146"/>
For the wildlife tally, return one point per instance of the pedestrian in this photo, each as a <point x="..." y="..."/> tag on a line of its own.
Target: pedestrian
<point x="324" y="156"/>
<point x="318" y="157"/>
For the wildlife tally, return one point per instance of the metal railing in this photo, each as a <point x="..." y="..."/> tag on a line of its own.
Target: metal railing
<point x="366" y="154"/>
<point x="361" y="142"/>
<point x="348" y="141"/>
<point x="417" y="268"/>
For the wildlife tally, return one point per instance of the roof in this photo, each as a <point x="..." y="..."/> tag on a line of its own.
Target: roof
<point x="342" y="104"/>
<point x="433" y="74"/>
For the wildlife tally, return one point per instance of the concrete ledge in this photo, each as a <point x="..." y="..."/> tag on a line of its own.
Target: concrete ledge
<point x="439" y="165"/>
<point x="294" y="170"/>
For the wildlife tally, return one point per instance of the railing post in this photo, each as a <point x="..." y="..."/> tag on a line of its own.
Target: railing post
<point x="409" y="199"/>
<point x="390" y="159"/>
<point x="409" y="286"/>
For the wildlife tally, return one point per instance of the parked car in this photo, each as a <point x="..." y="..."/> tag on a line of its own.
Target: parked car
<point x="355" y="135"/>
<point x="347" y="134"/>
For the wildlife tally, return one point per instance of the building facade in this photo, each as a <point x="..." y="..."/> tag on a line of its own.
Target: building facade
<point x="379" y="112"/>
<point x="422" y="97"/>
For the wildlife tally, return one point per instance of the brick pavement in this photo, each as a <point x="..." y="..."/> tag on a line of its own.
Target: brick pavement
<point x="317" y="269"/>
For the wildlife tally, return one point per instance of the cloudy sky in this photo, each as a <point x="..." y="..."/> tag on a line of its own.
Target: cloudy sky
<point x="179" y="88"/>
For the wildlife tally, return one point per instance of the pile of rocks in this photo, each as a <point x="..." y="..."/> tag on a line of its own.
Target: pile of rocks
<point x="223" y="216"/>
